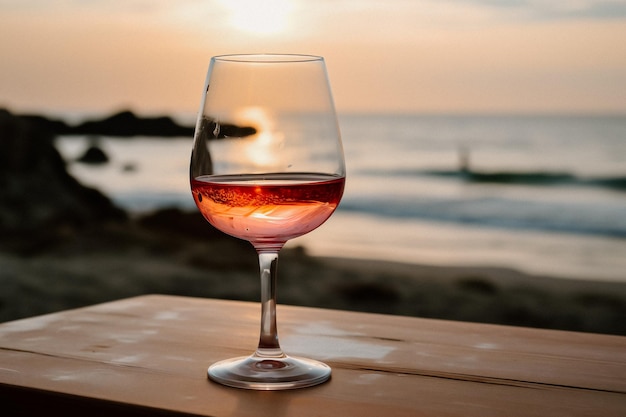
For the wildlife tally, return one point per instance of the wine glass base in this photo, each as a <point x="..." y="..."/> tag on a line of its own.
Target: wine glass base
<point x="269" y="374"/>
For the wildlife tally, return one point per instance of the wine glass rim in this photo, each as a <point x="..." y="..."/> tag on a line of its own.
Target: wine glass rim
<point x="267" y="58"/>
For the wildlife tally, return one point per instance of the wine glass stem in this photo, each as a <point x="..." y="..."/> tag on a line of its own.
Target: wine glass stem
<point x="269" y="346"/>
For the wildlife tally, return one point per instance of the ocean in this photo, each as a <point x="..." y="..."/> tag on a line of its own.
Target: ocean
<point x="541" y="194"/>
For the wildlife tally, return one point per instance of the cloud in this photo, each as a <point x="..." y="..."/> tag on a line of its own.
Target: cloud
<point x="555" y="10"/>
<point x="601" y="10"/>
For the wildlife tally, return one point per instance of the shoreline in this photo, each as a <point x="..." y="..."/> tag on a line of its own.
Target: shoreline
<point x="501" y="276"/>
<point x="175" y="253"/>
<point x="569" y="256"/>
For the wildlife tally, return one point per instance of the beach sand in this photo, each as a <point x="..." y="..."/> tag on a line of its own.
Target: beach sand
<point x="178" y="253"/>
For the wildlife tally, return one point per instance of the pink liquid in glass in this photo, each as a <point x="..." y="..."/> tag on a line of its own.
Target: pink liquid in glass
<point x="267" y="208"/>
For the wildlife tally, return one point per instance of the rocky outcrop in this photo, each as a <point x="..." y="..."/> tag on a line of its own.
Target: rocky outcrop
<point x="127" y="123"/>
<point x="94" y="154"/>
<point x="38" y="197"/>
<point x="124" y="123"/>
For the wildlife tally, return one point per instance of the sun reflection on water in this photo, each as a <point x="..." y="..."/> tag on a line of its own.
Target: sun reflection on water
<point x="262" y="148"/>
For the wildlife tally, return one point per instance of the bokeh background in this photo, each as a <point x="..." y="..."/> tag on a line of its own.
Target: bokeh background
<point x="485" y="143"/>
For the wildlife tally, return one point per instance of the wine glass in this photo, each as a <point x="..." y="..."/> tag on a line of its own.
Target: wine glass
<point x="267" y="166"/>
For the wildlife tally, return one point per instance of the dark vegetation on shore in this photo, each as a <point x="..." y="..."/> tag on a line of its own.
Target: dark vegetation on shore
<point x="63" y="245"/>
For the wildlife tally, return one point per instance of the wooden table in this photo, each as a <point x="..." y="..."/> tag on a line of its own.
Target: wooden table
<point x="148" y="356"/>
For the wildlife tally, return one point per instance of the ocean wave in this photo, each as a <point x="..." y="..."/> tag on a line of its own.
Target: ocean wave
<point x="588" y="219"/>
<point x="533" y="178"/>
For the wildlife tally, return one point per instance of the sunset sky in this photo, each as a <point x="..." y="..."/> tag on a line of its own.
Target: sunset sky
<point x="383" y="56"/>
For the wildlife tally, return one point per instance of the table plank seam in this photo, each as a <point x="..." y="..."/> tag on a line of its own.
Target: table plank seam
<point x="475" y="378"/>
<point x="88" y="360"/>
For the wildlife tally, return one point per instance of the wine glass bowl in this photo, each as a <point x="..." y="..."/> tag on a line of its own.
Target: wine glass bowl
<point x="267" y="166"/>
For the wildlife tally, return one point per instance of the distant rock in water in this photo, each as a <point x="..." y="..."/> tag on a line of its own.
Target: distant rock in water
<point x="126" y="123"/>
<point x="129" y="167"/>
<point x="39" y="199"/>
<point x="93" y="155"/>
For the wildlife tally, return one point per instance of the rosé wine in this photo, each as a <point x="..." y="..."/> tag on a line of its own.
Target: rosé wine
<point x="267" y="208"/>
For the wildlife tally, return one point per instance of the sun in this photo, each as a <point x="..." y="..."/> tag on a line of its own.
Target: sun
<point x="267" y="17"/>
